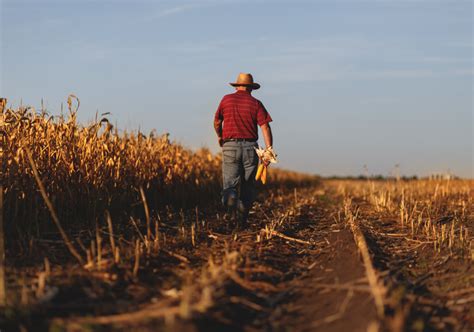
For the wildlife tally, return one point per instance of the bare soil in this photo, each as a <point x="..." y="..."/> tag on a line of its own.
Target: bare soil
<point x="296" y="268"/>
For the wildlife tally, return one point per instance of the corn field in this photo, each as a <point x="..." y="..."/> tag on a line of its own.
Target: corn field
<point x="123" y="230"/>
<point x="88" y="169"/>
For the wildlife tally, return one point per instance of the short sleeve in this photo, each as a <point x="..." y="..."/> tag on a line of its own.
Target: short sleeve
<point x="262" y="115"/>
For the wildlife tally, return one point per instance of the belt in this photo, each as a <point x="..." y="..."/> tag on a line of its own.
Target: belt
<point x="240" y="140"/>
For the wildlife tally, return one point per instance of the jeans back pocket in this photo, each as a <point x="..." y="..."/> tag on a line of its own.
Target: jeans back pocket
<point x="229" y="155"/>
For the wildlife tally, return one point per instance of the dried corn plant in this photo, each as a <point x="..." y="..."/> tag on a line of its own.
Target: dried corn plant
<point x="439" y="212"/>
<point x="87" y="169"/>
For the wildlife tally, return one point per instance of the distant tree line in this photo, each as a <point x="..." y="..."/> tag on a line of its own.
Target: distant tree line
<point x="379" y="177"/>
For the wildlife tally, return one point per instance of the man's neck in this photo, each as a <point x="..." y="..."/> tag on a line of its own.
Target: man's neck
<point x="243" y="89"/>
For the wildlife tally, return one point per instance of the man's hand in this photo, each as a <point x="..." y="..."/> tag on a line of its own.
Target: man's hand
<point x="266" y="156"/>
<point x="218" y="129"/>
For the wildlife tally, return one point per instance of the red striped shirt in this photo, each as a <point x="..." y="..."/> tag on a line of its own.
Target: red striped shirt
<point x="241" y="114"/>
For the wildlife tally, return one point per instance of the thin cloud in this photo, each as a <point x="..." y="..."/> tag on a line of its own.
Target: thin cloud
<point x="176" y="10"/>
<point x="330" y="59"/>
<point x="444" y="60"/>
<point x="185" y="7"/>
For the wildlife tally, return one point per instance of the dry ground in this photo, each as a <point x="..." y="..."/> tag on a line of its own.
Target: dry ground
<point x="298" y="267"/>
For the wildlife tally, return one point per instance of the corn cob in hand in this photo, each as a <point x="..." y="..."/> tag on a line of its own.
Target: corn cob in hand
<point x="266" y="157"/>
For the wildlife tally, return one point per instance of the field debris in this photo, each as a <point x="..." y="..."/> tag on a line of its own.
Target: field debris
<point x="122" y="230"/>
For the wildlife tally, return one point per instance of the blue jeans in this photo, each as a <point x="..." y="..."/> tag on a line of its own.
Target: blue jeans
<point x="239" y="166"/>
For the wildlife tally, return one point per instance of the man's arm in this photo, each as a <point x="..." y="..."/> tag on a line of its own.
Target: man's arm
<point x="267" y="134"/>
<point x="218" y="129"/>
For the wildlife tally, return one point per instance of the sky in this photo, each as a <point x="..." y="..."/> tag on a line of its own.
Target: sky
<point x="348" y="83"/>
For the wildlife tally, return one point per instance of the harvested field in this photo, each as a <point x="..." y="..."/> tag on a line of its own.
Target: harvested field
<point x="145" y="245"/>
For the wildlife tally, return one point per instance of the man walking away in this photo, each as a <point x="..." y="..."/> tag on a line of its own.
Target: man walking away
<point x="236" y="123"/>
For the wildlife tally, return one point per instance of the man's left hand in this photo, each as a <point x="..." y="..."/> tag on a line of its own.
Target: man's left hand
<point x="221" y="141"/>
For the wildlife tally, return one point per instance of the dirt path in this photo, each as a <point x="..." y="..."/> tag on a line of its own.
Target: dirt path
<point x="334" y="295"/>
<point x="320" y="285"/>
<point x="296" y="268"/>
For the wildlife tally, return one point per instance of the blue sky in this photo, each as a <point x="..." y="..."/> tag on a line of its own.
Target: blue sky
<point x="348" y="83"/>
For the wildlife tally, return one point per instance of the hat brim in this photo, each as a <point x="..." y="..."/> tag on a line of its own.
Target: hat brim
<point x="254" y="86"/>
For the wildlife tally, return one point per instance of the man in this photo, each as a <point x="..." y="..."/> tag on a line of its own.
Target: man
<point x="236" y="123"/>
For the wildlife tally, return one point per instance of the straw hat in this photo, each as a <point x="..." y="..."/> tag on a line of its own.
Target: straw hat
<point x="245" y="80"/>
